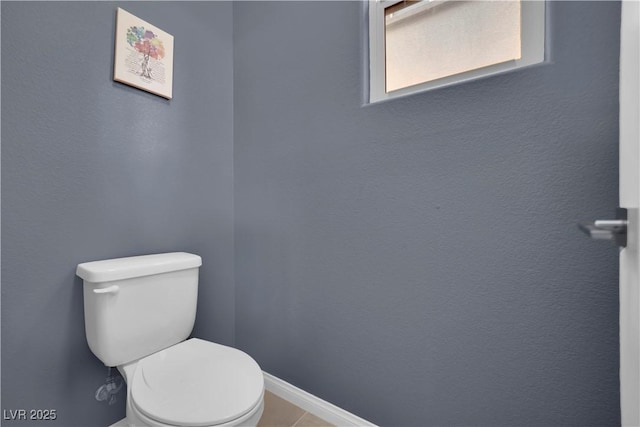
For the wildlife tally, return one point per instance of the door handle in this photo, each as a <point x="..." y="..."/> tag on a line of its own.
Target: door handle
<point x="614" y="230"/>
<point x="610" y="223"/>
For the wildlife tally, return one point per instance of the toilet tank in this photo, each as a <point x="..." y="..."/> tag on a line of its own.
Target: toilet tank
<point x="136" y="306"/>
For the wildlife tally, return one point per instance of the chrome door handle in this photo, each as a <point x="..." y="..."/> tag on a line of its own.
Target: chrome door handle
<point x="610" y="223"/>
<point x="614" y="230"/>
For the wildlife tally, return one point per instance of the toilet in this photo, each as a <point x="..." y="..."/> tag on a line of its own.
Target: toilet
<point x="138" y="314"/>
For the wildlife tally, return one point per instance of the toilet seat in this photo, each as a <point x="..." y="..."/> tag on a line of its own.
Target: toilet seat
<point x="197" y="383"/>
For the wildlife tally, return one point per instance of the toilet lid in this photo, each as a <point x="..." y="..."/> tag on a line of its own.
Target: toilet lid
<point x="197" y="383"/>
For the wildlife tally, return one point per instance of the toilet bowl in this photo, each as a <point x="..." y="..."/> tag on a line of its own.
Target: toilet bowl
<point x="194" y="383"/>
<point x="138" y="313"/>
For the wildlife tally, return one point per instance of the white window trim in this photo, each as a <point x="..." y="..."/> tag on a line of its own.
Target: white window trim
<point x="533" y="51"/>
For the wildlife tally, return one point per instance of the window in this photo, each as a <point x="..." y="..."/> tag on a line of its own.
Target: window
<point x="420" y="45"/>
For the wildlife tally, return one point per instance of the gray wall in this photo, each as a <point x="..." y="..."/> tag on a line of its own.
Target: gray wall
<point x="417" y="261"/>
<point x="93" y="169"/>
<point x="414" y="261"/>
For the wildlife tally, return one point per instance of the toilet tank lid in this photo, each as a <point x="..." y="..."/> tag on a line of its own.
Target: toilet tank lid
<point x="136" y="266"/>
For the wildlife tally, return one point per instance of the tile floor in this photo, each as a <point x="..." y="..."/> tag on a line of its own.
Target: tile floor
<point x="281" y="413"/>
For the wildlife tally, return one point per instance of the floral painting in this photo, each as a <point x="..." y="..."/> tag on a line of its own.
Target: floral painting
<point x="144" y="55"/>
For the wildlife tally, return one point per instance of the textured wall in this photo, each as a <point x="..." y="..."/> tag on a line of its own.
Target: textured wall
<point x="417" y="261"/>
<point x="94" y="169"/>
<point x="414" y="261"/>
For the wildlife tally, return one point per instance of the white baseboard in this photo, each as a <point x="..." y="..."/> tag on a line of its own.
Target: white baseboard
<point x="313" y="404"/>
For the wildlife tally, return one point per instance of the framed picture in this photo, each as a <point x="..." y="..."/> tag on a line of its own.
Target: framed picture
<point x="143" y="56"/>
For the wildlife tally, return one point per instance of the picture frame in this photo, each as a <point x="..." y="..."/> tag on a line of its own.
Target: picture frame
<point x="143" y="55"/>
